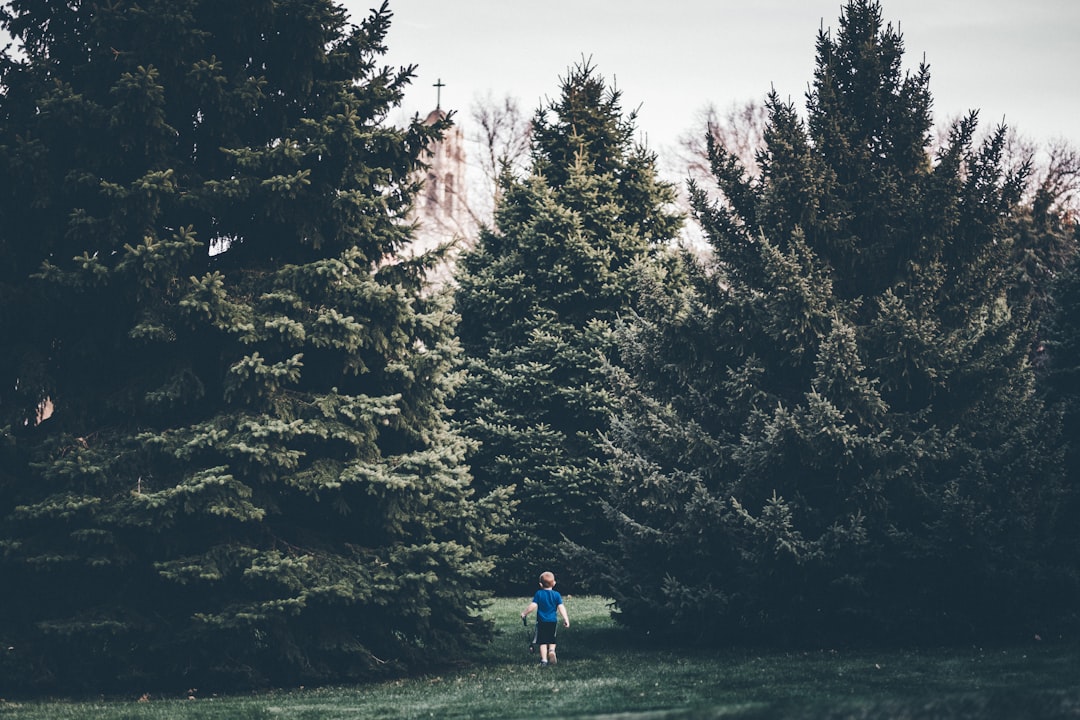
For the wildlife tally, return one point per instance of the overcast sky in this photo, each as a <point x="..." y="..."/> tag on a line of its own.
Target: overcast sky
<point x="1014" y="60"/>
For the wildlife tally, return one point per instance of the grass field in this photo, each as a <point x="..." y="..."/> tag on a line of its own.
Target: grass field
<point x="602" y="674"/>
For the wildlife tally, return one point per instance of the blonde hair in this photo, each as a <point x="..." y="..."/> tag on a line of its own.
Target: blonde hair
<point x="547" y="579"/>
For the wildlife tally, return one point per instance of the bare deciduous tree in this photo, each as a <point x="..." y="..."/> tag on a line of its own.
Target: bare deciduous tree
<point x="500" y="135"/>
<point x="739" y="130"/>
<point x="1058" y="180"/>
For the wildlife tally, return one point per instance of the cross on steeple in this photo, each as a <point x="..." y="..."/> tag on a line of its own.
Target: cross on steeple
<point x="438" y="85"/>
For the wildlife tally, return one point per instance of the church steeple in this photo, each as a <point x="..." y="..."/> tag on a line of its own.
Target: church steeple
<point x="441" y="210"/>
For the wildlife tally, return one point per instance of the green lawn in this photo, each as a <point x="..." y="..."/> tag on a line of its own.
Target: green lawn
<point x="602" y="674"/>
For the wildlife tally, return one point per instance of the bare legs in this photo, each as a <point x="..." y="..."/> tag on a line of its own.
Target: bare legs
<point x="547" y="654"/>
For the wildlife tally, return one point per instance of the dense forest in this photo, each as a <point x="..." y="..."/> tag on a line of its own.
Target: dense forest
<point x="247" y="440"/>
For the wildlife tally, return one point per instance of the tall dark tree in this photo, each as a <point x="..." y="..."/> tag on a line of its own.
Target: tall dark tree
<point x="1061" y="382"/>
<point x="537" y="299"/>
<point x="248" y="474"/>
<point x="833" y="431"/>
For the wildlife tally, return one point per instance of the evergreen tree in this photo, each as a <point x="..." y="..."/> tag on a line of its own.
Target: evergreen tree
<point x="1061" y="383"/>
<point x="833" y="431"/>
<point x="537" y="297"/>
<point x="249" y="475"/>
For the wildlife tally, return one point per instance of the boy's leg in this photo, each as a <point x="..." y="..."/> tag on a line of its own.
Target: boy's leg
<point x="545" y="636"/>
<point x="551" y="654"/>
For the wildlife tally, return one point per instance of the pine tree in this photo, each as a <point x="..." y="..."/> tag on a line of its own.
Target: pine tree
<point x="537" y="297"/>
<point x="249" y="475"/>
<point x="1061" y="384"/>
<point x="833" y="432"/>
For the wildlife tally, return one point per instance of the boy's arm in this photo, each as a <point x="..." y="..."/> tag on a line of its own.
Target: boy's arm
<point x="532" y="606"/>
<point x="565" y="617"/>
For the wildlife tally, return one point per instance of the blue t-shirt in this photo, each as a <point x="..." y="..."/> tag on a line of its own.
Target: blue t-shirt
<point x="547" y="605"/>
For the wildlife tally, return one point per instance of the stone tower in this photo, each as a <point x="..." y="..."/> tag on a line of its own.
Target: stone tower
<point x="442" y="213"/>
<point x="444" y="202"/>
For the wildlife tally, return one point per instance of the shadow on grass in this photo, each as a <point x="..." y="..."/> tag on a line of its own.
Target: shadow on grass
<point x="606" y="668"/>
<point x="606" y="672"/>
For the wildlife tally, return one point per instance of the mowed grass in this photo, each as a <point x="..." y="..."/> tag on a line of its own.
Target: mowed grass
<point x="604" y="672"/>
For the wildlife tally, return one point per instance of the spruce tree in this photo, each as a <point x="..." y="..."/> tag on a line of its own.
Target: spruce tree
<point x="537" y="297"/>
<point x="248" y="474"/>
<point x="1060" y="378"/>
<point x="832" y="432"/>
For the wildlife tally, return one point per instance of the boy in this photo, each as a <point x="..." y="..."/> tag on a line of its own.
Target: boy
<point x="546" y="602"/>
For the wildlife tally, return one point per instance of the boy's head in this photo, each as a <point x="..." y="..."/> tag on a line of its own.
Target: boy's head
<point x="547" y="580"/>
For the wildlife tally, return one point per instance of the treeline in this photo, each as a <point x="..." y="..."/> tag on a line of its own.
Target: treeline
<point x="273" y="454"/>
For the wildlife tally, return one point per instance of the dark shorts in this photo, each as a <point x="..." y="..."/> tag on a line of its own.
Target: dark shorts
<point x="545" y="633"/>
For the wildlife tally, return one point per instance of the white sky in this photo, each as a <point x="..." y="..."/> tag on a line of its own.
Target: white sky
<point x="1013" y="60"/>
